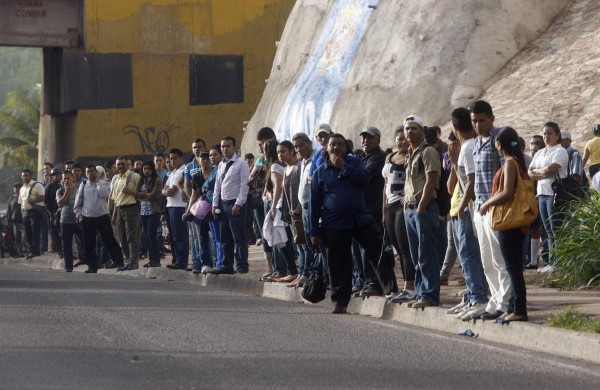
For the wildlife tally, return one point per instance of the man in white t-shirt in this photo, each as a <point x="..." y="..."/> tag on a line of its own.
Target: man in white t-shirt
<point x="175" y="210"/>
<point x="462" y="179"/>
<point x="31" y="199"/>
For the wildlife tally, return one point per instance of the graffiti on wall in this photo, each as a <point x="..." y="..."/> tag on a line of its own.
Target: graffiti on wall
<point x="151" y="140"/>
<point x="313" y="96"/>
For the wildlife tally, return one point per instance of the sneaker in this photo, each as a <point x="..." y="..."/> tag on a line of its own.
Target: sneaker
<point x="547" y="269"/>
<point x="531" y="266"/>
<point x="462" y="311"/>
<point x="475" y="311"/>
<point x="404" y="296"/>
<point x="258" y="242"/>
<point x="339" y="309"/>
<point x="458" y="308"/>
<point x="370" y="292"/>
<point x="391" y="295"/>
<point x="421" y="303"/>
<point x="411" y="303"/>
<point x="206" y="269"/>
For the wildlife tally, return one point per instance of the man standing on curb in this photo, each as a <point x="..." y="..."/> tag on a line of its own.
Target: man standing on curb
<point x="487" y="162"/>
<point x="338" y="214"/>
<point x="192" y="168"/>
<point x="173" y="190"/>
<point x="423" y="168"/>
<point x="52" y="207"/>
<point x="91" y="211"/>
<point x="126" y="213"/>
<point x="31" y="199"/>
<point x="231" y="192"/>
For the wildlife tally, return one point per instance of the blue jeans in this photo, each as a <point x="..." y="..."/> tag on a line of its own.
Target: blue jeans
<point x="546" y="206"/>
<point x="470" y="258"/>
<point x="215" y="229"/>
<point x="200" y="234"/>
<point x="179" y="236"/>
<point x="67" y="231"/>
<point x="150" y="224"/>
<point x="422" y="229"/>
<point x="233" y="233"/>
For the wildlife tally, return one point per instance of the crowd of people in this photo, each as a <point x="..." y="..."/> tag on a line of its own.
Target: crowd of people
<point x="332" y="212"/>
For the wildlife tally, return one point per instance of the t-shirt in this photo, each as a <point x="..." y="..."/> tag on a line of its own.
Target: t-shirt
<point x="67" y="215"/>
<point x="422" y="161"/>
<point x="395" y="177"/>
<point x="34" y="188"/>
<point x="173" y="181"/>
<point x="277" y="167"/>
<point x="593" y="146"/>
<point x="546" y="157"/>
<point x="466" y="164"/>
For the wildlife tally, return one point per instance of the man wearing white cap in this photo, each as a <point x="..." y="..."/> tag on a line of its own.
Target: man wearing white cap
<point x="575" y="161"/>
<point x="423" y="168"/>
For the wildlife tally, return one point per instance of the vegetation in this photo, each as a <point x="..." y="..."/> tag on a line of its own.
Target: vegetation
<point x="574" y="320"/>
<point x="578" y="247"/>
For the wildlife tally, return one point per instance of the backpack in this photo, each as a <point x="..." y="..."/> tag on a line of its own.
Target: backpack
<point x="442" y="196"/>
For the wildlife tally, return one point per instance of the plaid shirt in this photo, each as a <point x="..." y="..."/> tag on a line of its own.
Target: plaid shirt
<point x="487" y="162"/>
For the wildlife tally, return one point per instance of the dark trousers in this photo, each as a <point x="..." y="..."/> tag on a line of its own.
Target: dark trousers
<point x="395" y="227"/>
<point x="32" y="222"/>
<point x="150" y="224"/>
<point x="103" y="226"/>
<point x="55" y="231"/>
<point x="339" y="258"/>
<point x="511" y="246"/>
<point x="68" y="230"/>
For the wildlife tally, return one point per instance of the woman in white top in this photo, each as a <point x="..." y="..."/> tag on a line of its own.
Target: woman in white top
<point x="545" y="166"/>
<point x="394" y="173"/>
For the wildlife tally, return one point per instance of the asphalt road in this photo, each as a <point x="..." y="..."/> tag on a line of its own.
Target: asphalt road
<point x="83" y="331"/>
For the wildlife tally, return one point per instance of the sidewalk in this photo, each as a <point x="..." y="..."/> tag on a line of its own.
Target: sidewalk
<point x="534" y="335"/>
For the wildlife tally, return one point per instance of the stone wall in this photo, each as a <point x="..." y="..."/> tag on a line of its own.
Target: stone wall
<point x="414" y="57"/>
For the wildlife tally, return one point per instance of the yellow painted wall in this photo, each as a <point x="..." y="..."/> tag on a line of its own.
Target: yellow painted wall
<point x="160" y="35"/>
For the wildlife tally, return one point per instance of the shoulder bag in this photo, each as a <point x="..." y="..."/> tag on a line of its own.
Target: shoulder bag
<point x="520" y="211"/>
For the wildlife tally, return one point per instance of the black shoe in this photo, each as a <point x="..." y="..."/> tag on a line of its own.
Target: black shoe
<point x="152" y="265"/>
<point x="339" y="309"/>
<point x="491" y="316"/>
<point x="370" y="292"/>
<point x="91" y="271"/>
<point x="196" y="271"/>
<point x="173" y="266"/>
<point x="110" y="265"/>
<point x="242" y="271"/>
<point x="69" y="270"/>
<point x="32" y="255"/>
<point x="531" y="266"/>
<point x="221" y="271"/>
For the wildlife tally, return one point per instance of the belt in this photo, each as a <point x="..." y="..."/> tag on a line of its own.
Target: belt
<point x="128" y="205"/>
<point x="411" y="205"/>
<point x="305" y="206"/>
<point x="228" y="202"/>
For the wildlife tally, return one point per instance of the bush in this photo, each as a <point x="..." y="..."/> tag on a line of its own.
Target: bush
<point x="578" y="244"/>
<point x="574" y="320"/>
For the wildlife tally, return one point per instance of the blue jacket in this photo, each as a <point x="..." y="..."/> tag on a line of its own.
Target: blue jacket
<point x="337" y="197"/>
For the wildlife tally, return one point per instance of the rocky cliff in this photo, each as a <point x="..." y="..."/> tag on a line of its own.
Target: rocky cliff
<point x="354" y="63"/>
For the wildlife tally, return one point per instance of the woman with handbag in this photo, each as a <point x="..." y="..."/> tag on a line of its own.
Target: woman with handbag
<point x="394" y="173"/>
<point x="148" y="192"/>
<point x="204" y="263"/>
<point x="284" y="264"/>
<point x="505" y="186"/>
<point x="546" y="166"/>
<point x="292" y="211"/>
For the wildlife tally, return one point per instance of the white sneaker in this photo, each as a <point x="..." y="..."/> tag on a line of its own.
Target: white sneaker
<point x="457" y="308"/>
<point x="476" y="310"/>
<point x="463" y="310"/>
<point x="547" y="269"/>
<point x="404" y="296"/>
<point x="206" y="269"/>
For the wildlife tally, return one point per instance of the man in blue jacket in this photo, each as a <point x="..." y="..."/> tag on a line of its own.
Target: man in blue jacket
<point x="338" y="213"/>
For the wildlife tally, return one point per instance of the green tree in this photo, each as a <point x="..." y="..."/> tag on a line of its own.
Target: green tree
<point x="21" y="120"/>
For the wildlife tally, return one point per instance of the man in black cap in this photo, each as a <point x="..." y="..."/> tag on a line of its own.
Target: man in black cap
<point x="374" y="160"/>
<point x="52" y="206"/>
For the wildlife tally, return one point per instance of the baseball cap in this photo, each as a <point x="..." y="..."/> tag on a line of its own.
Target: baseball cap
<point x="564" y="134"/>
<point x="371" y="130"/>
<point x="100" y="170"/>
<point x="324" y="128"/>
<point x="55" y="171"/>
<point x="414" y="119"/>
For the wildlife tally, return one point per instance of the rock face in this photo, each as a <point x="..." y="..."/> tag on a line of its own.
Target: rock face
<point x="354" y="63"/>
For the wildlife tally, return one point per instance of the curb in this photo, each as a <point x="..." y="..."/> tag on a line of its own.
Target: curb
<point x="554" y="341"/>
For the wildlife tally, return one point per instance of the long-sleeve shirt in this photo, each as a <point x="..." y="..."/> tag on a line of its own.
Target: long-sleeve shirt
<point x="209" y="185"/>
<point x="374" y="163"/>
<point x="337" y="196"/>
<point x="92" y="199"/>
<point x="234" y="184"/>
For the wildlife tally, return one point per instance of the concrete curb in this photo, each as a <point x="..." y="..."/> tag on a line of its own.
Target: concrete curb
<point x="555" y="341"/>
